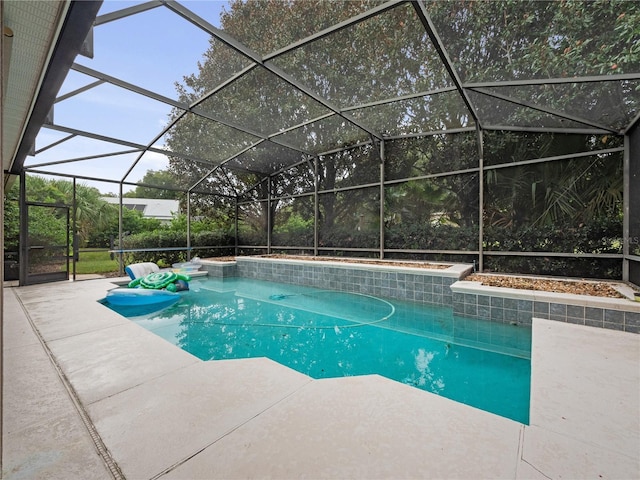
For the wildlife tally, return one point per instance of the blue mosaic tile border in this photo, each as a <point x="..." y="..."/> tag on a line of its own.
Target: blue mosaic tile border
<point x="430" y="286"/>
<point x="520" y="312"/>
<point x="220" y="269"/>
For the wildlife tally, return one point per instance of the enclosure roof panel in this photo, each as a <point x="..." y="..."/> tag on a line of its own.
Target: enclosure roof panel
<point x="386" y="56"/>
<point x="503" y="41"/>
<point x="260" y="85"/>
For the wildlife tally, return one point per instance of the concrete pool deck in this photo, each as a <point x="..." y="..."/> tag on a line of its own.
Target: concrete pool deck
<point x="90" y="395"/>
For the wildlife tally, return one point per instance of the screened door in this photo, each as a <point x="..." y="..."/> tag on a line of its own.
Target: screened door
<point x="48" y="243"/>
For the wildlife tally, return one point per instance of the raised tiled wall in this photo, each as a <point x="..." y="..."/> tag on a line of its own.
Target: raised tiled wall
<point x="413" y="284"/>
<point x="473" y="300"/>
<point x="220" y="269"/>
<point x="438" y="287"/>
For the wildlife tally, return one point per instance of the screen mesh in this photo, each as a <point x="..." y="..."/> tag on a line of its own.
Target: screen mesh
<point x="496" y="41"/>
<point x="420" y="156"/>
<point x="350" y="219"/>
<point x="634" y="191"/>
<point x="433" y="214"/>
<point x="359" y="64"/>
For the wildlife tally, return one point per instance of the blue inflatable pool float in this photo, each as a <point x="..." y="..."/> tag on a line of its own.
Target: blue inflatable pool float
<point x="133" y="297"/>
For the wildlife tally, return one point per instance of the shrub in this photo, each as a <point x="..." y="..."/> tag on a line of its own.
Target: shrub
<point x="172" y="239"/>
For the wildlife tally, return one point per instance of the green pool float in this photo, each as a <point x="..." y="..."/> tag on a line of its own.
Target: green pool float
<point x="159" y="280"/>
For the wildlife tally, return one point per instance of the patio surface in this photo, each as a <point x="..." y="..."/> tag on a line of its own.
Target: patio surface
<point x="90" y="395"/>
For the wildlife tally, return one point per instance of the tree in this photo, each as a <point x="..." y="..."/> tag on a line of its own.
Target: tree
<point x="92" y="213"/>
<point x="160" y="178"/>
<point x="12" y="218"/>
<point x="525" y="39"/>
<point x="260" y="100"/>
<point x="391" y="55"/>
<point x="133" y="222"/>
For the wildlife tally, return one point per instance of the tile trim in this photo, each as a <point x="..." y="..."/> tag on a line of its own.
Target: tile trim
<point x="602" y="312"/>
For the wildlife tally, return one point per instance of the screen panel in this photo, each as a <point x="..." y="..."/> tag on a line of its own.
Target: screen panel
<point x="245" y="21"/>
<point x="496" y="112"/>
<point x="568" y="206"/>
<point x="350" y="219"/>
<point x="203" y="139"/>
<point x="612" y="104"/>
<point x="262" y="102"/>
<point x="597" y="268"/>
<point x="501" y="147"/>
<point x="429" y="113"/>
<point x="433" y="154"/>
<point x="266" y="158"/>
<point x="433" y="214"/>
<point x="348" y="168"/>
<point x="294" y="180"/>
<point x="497" y="41"/>
<point x="253" y="223"/>
<point x="381" y="58"/>
<point x="324" y="135"/>
<point x="294" y="221"/>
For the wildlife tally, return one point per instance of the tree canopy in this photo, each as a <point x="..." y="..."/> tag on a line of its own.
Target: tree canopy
<point x="385" y="77"/>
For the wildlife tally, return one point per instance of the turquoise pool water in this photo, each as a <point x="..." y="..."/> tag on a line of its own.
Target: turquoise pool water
<point x="325" y="333"/>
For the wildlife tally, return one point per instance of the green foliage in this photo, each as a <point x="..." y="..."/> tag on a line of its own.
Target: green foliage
<point x="215" y="239"/>
<point x="602" y="234"/>
<point x="552" y="193"/>
<point x="293" y="229"/>
<point x="600" y="268"/>
<point x="47" y="226"/>
<point x="11" y="219"/>
<point x="155" y="239"/>
<point x="133" y="222"/>
<point x="179" y="224"/>
<point x="92" y="213"/>
<point x="295" y="223"/>
<point x="96" y="262"/>
<point x="40" y="189"/>
<point x="159" y="178"/>
<point x="421" y="236"/>
<point x="174" y="239"/>
<point x="343" y="237"/>
<point x="515" y="39"/>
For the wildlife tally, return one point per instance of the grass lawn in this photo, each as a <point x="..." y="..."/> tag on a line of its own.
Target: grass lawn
<point x="92" y="261"/>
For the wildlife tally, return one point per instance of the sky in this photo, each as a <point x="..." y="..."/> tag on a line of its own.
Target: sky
<point x="154" y="50"/>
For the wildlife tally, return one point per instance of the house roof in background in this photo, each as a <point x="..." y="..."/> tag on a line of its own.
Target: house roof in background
<point x="162" y="209"/>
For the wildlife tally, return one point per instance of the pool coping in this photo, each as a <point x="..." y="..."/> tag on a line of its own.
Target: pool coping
<point x="468" y="286"/>
<point x="472" y="299"/>
<point x="454" y="270"/>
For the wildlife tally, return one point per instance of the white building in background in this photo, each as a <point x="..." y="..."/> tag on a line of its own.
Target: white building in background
<point x="162" y="209"/>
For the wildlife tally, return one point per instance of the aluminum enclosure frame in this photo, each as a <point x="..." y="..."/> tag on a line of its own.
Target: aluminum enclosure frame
<point x="266" y="62"/>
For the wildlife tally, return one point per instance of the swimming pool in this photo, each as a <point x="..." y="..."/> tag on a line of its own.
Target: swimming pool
<point x="324" y="333"/>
